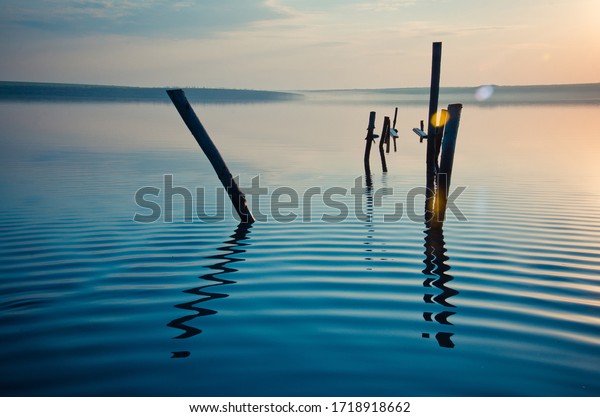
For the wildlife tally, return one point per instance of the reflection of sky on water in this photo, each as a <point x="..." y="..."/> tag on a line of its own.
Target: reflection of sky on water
<point x="289" y="139"/>
<point x="94" y="291"/>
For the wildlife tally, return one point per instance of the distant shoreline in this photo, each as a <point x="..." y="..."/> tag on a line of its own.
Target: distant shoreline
<point x="574" y="94"/>
<point x="489" y="95"/>
<point x="38" y="91"/>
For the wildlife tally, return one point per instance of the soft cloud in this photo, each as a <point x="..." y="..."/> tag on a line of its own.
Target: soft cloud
<point x="43" y="11"/>
<point x="295" y="44"/>
<point x="384" y="5"/>
<point x="152" y="18"/>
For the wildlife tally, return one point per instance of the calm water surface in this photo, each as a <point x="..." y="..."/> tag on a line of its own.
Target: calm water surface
<point x="93" y="303"/>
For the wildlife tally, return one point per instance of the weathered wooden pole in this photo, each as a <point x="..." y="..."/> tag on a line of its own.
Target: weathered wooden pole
<point x="442" y="118"/>
<point x="385" y="132"/>
<point x="388" y="139"/>
<point x="212" y="153"/>
<point x="369" y="140"/>
<point x="445" y="171"/>
<point x="434" y="93"/>
<point x="395" y="133"/>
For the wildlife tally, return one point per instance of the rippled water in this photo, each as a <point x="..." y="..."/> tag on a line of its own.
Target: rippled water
<point x="93" y="303"/>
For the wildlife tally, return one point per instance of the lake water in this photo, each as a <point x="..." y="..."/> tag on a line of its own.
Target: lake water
<point x="94" y="303"/>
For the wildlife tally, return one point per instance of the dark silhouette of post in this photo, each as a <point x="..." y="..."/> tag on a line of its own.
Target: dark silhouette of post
<point x="212" y="153"/>
<point x="369" y="141"/>
<point x="442" y="118"/>
<point x="434" y="93"/>
<point x="385" y="132"/>
<point x="447" y="161"/>
<point x="387" y="143"/>
<point x="395" y="136"/>
<point x="388" y="140"/>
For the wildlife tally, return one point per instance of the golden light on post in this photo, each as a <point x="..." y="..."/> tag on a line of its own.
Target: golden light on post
<point x="440" y="118"/>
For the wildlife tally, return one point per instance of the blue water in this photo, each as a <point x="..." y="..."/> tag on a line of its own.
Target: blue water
<point x="94" y="303"/>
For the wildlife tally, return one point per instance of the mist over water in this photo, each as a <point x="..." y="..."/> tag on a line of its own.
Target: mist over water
<point x="94" y="303"/>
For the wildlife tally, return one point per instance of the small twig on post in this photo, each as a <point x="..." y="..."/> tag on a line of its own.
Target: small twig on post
<point x="385" y="132"/>
<point x="212" y="153"/>
<point x="369" y="140"/>
<point x="445" y="171"/>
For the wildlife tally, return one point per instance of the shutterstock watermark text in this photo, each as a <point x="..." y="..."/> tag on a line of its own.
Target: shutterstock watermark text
<point x="284" y="204"/>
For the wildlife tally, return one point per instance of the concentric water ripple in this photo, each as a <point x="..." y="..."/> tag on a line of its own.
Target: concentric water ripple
<point x="93" y="303"/>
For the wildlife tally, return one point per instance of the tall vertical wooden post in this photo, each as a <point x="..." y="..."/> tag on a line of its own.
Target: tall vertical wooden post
<point x="445" y="171"/>
<point x="369" y="141"/>
<point x="434" y="93"/>
<point x="385" y="132"/>
<point x="238" y="198"/>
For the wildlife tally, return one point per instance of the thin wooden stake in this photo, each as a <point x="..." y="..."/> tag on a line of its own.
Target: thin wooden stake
<point x="369" y="140"/>
<point x="394" y="127"/>
<point x="388" y="140"/>
<point x="186" y="112"/>
<point x="385" y="132"/>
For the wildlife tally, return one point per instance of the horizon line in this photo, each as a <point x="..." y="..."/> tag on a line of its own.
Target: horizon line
<point x="297" y="90"/>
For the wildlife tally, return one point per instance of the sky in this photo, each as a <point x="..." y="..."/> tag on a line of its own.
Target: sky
<point x="299" y="44"/>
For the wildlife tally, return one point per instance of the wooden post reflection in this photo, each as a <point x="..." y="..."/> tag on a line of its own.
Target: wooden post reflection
<point x="436" y="270"/>
<point x="230" y="253"/>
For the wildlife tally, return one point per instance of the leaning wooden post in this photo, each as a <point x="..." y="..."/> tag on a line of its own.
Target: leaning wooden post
<point x="445" y="171"/>
<point x="434" y="93"/>
<point x="369" y="140"/>
<point x="385" y="132"/>
<point x="212" y="153"/>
